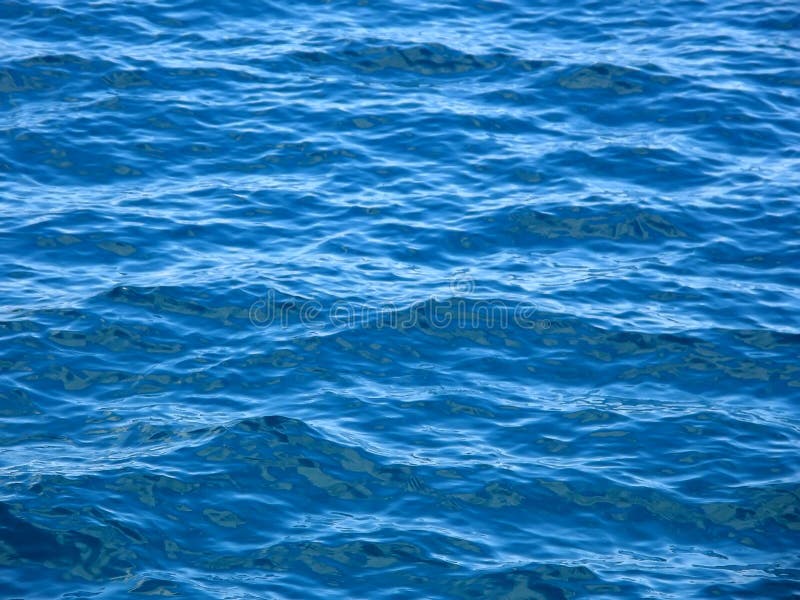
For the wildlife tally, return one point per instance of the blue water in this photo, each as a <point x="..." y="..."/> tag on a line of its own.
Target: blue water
<point x="394" y="299"/>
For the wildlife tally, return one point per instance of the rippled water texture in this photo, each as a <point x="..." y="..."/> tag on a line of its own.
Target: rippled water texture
<point x="394" y="299"/>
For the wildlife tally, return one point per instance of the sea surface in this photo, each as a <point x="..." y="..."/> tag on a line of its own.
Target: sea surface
<point x="399" y="299"/>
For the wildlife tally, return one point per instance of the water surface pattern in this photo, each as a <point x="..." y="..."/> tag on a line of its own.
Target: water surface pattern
<point x="394" y="299"/>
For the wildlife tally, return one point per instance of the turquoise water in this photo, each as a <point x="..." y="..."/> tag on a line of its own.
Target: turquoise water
<point x="399" y="299"/>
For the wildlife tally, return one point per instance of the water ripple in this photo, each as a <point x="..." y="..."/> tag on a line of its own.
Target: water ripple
<point x="399" y="299"/>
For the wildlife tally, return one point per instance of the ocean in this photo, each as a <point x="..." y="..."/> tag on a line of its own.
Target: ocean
<point x="391" y="299"/>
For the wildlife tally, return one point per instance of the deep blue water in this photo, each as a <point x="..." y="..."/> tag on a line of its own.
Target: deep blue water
<point x="394" y="299"/>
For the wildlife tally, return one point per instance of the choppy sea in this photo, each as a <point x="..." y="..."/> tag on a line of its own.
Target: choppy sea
<point x="394" y="299"/>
